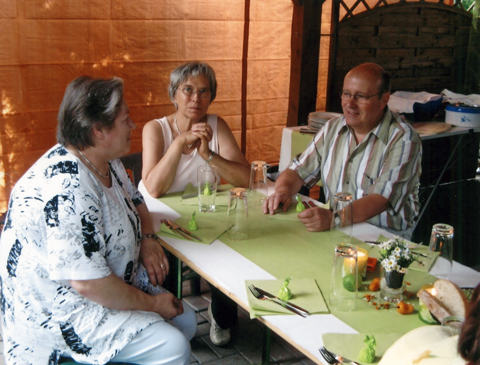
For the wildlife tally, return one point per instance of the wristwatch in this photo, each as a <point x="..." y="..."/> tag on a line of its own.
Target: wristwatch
<point x="211" y="156"/>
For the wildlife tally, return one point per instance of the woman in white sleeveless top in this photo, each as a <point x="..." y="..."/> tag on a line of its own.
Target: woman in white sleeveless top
<point x="173" y="148"/>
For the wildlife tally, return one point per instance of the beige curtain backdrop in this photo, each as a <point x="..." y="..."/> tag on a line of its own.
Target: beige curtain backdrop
<point x="45" y="44"/>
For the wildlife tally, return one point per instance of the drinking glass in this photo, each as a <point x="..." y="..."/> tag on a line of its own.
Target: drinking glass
<point x="257" y="191"/>
<point x="237" y="214"/>
<point x="441" y="250"/>
<point x="342" y="219"/>
<point x="207" y="187"/>
<point x="344" y="284"/>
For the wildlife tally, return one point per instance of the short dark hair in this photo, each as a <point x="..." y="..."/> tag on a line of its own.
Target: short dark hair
<point x="88" y="103"/>
<point x="188" y="69"/>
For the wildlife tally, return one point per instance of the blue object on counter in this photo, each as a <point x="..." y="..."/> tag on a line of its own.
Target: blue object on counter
<point x="462" y="116"/>
<point x="423" y="112"/>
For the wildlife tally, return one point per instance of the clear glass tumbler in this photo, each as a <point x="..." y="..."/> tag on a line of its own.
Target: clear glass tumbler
<point x="441" y="250"/>
<point x="207" y="179"/>
<point x="344" y="283"/>
<point x="342" y="219"/>
<point x="237" y="214"/>
<point x="257" y="191"/>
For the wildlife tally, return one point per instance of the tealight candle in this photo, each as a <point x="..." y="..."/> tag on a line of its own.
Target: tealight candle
<point x="362" y="261"/>
<point x="362" y="258"/>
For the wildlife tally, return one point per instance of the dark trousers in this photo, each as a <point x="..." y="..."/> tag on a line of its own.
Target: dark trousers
<point x="224" y="310"/>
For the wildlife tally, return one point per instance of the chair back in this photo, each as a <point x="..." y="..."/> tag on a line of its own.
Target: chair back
<point x="133" y="165"/>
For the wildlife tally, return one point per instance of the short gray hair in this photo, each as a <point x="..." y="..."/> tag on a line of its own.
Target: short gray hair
<point x="88" y="103"/>
<point x="187" y="70"/>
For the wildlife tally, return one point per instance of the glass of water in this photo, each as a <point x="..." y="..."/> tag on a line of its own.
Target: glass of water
<point x="207" y="180"/>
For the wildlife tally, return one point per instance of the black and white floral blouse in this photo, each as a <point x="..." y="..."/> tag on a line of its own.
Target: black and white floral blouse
<point x="63" y="224"/>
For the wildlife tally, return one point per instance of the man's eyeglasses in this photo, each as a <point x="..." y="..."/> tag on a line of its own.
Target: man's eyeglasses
<point x="359" y="98"/>
<point x="203" y="93"/>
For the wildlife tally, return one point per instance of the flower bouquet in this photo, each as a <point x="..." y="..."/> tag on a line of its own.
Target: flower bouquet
<point x="395" y="259"/>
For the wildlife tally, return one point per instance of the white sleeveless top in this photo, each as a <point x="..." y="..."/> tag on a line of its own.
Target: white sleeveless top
<point x="187" y="167"/>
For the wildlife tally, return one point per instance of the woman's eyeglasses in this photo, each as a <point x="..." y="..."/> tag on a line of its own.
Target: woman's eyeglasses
<point x="203" y="93"/>
<point x="359" y="98"/>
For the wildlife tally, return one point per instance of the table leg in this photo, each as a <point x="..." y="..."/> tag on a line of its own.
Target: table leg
<point x="267" y="337"/>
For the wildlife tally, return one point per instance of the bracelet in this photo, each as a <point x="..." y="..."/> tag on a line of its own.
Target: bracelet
<point x="211" y="157"/>
<point x="151" y="236"/>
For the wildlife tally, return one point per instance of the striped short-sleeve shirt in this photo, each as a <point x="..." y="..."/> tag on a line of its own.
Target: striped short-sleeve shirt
<point x="386" y="162"/>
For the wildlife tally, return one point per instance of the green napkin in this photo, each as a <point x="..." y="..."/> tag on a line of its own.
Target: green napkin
<point x="349" y="345"/>
<point x="423" y="264"/>
<point x="220" y="199"/>
<point x="291" y="214"/>
<point x="306" y="294"/>
<point x="208" y="229"/>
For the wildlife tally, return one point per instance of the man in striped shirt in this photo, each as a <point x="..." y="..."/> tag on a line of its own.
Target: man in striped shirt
<point x="369" y="152"/>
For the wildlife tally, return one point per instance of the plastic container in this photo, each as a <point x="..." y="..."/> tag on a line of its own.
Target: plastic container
<point x="462" y="116"/>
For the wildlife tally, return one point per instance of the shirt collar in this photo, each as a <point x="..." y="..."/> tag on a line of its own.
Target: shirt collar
<point x="381" y="131"/>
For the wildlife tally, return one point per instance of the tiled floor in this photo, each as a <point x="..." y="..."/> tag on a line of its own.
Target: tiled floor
<point x="247" y="337"/>
<point x="245" y="346"/>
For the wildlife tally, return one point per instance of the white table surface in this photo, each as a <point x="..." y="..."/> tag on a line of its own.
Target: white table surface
<point x="227" y="270"/>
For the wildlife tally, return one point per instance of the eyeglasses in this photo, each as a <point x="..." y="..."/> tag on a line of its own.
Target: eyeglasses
<point x="359" y="98"/>
<point x="203" y="93"/>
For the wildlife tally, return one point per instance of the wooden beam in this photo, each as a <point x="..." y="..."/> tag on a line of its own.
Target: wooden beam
<point x="305" y="53"/>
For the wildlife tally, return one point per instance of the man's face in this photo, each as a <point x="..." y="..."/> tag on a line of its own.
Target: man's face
<point x="362" y="117"/>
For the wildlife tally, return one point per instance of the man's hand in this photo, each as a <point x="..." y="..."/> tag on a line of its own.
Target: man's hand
<point x="272" y="203"/>
<point x="316" y="219"/>
<point x="155" y="261"/>
<point x="168" y="305"/>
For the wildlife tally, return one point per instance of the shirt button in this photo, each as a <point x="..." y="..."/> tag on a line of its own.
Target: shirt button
<point x="347" y="182"/>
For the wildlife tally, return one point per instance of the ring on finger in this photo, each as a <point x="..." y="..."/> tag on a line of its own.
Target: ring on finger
<point x="162" y="266"/>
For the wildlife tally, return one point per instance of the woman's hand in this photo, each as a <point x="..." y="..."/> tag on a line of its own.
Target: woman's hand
<point x="204" y="133"/>
<point x="168" y="305"/>
<point x="154" y="260"/>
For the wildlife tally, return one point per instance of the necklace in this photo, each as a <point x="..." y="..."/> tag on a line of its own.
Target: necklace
<point x="93" y="166"/>
<point x="178" y="130"/>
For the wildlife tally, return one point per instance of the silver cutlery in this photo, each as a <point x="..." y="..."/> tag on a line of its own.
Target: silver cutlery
<point x="337" y="359"/>
<point x="263" y="295"/>
<point x="327" y="356"/>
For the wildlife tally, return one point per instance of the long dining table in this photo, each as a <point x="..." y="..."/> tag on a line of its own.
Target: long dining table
<point x="280" y="248"/>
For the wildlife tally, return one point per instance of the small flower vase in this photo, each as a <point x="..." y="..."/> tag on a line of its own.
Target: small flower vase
<point x="392" y="286"/>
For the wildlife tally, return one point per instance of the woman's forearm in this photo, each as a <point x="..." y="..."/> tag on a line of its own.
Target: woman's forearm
<point x="114" y="293"/>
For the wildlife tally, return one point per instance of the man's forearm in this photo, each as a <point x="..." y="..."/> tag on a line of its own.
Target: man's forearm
<point x="288" y="182"/>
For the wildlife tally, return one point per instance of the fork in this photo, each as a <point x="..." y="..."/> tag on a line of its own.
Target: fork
<point x="260" y="296"/>
<point x="327" y="356"/>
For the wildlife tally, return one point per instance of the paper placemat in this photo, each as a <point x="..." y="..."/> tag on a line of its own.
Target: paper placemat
<point x="349" y="345"/>
<point x="221" y="199"/>
<point x="306" y="294"/>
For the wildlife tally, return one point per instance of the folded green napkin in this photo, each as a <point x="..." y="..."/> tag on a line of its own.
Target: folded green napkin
<point x="220" y="199"/>
<point x="306" y="294"/>
<point x="208" y="229"/>
<point x="423" y="264"/>
<point x="349" y="345"/>
<point x="291" y="214"/>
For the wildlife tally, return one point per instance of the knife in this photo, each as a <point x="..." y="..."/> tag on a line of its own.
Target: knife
<point x="283" y="303"/>
<point x="185" y="231"/>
